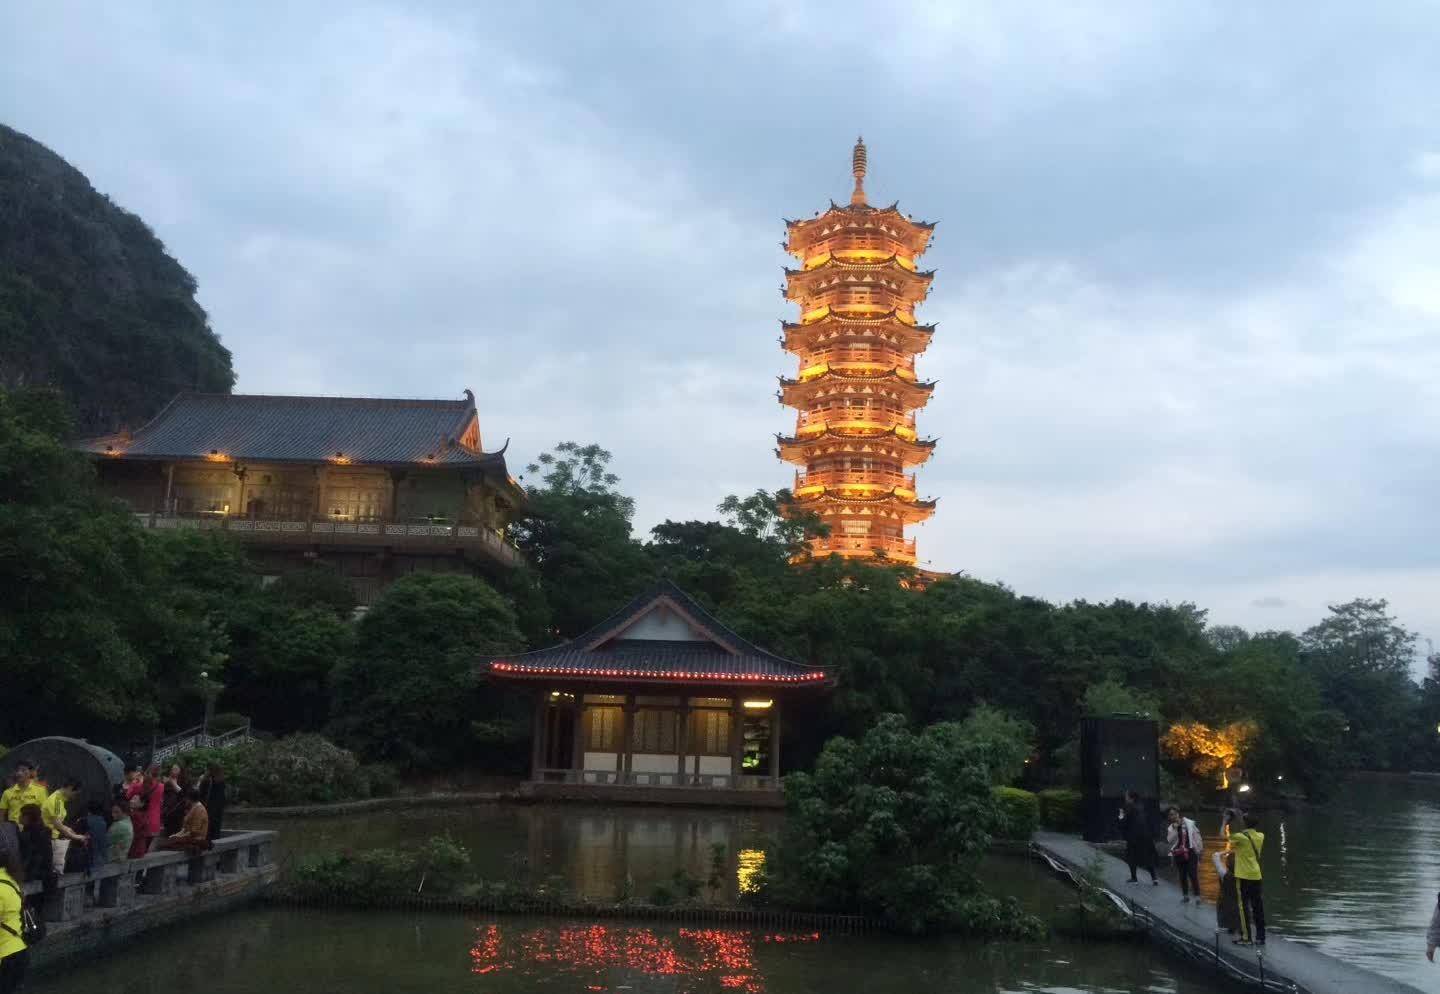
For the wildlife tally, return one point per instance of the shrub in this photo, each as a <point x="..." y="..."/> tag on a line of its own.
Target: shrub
<point x="892" y="825"/>
<point x="1060" y="809"/>
<point x="298" y="769"/>
<point x="227" y="721"/>
<point x="1019" y="812"/>
<point x="382" y="778"/>
<point x="435" y="867"/>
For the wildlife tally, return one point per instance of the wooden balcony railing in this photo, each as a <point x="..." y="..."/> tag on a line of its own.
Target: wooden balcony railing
<point x="840" y="477"/>
<point x="325" y="532"/>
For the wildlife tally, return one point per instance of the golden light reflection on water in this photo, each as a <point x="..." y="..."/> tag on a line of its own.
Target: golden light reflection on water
<point x="594" y="954"/>
<point x="749" y="863"/>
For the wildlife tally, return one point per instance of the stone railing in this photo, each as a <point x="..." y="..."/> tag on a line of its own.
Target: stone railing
<point x="122" y="884"/>
<point x="614" y="778"/>
<point x="327" y="532"/>
<point x="199" y="738"/>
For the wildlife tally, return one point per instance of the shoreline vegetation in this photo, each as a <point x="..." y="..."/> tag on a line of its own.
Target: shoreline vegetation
<point x="435" y="876"/>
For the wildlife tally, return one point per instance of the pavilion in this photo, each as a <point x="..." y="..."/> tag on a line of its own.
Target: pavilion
<point x="663" y="697"/>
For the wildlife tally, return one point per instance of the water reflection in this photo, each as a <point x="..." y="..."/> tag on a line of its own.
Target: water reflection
<point x="618" y="957"/>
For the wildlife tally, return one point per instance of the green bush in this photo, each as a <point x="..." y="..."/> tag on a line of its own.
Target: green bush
<point x="1060" y="809"/>
<point x="437" y="866"/>
<point x="227" y="721"/>
<point x="1019" y="812"/>
<point x="298" y="769"/>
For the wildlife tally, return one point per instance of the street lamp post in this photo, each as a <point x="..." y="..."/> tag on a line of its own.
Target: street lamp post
<point x="209" y="691"/>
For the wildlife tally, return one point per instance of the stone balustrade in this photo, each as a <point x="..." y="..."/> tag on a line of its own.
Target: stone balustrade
<point x="87" y="910"/>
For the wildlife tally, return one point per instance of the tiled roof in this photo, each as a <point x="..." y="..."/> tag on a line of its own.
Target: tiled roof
<point x="353" y="430"/>
<point x="597" y="655"/>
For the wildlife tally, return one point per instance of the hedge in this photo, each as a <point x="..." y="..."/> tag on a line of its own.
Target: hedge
<point x="1060" y="809"/>
<point x="1019" y="810"/>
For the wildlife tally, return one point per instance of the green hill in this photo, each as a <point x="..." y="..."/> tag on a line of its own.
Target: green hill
<point x="90" y="301"/>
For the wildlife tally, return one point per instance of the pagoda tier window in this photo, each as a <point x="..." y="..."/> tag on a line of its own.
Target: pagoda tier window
<point x="656" y="731"/>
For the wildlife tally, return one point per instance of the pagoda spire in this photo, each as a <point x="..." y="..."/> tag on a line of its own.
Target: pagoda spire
<point x="857" y="168"/>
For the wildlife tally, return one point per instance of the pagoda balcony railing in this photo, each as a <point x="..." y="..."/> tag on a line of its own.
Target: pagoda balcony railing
<point x="841" y="477"/>
<point x="867" y="418"/>
<point x="899" y="550"/>
<point x="431" y="535"/>
<point x="616" y="778"/>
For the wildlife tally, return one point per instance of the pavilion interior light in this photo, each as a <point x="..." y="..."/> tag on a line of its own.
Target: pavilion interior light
<point x="759" y="705"/>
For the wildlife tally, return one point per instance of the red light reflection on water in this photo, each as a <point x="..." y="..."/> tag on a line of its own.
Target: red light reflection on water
<point x="720" y="956"/>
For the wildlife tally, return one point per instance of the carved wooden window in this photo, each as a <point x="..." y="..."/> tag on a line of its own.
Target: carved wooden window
<point x="602" y="729"/>
<point x="656" y="731"/>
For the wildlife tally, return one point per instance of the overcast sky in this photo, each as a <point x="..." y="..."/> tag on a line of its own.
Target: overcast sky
<point x="1188" y="255"/>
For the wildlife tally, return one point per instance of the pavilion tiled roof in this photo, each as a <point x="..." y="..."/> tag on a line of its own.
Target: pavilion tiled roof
<point x="597" y="655"/>
<point x="353" y="430"/>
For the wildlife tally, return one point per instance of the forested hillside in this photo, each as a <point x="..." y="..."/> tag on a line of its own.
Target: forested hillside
<point x="90" y="301"/>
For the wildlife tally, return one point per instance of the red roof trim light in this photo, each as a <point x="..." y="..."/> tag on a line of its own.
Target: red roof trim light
<point x="582" y="671"/>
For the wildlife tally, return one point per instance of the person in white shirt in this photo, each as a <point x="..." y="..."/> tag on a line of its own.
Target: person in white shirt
<point x="1185" y="846"/>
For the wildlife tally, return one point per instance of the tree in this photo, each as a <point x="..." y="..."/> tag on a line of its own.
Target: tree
<point x="575" y="534"/>
<point x="409" y="691"/>
<point x="1001" y="742"/>
<point x="893" y="825"/>
<point x="93" y="632"/>
<point x="1361" y="661"/>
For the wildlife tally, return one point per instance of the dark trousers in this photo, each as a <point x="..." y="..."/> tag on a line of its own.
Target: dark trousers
<point x="1252" y="910"/>
<point x="1189" y="869"/>
<point x="12" y="971"/>
<point x="1140" y="856"/>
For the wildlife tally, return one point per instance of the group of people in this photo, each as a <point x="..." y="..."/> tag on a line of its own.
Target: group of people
<point x="1240" y="909"/>
<point x="40" y="837"/>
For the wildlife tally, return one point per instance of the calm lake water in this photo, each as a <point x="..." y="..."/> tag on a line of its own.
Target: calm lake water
<point x="1357" y="878"/>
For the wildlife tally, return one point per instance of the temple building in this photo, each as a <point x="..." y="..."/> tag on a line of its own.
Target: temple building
<point x="856" y="440"/>
<point x="660" y="701"/>
<point x="372" y="488"/>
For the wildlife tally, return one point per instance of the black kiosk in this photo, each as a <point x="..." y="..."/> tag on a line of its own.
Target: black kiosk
<point x="1117" y="754"/>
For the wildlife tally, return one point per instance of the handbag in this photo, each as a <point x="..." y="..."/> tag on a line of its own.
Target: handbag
<point x="32" y="926"/>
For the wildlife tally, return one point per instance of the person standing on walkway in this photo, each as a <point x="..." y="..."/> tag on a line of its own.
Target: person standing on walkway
<point x="212" y="795"/>
<point x="55" y="811"/>
<point x="1249" y="844"/>
<point x="146" y="804"/>
<point x="14" y="956"/>
<point x="1227" y="906"/>
<point x="1185" y="843"/>
<point x="1139" y="840"/>
<point x="26" y="790"/>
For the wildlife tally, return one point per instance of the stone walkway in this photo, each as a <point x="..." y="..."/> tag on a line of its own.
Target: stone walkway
<point x="1282" y="965"/>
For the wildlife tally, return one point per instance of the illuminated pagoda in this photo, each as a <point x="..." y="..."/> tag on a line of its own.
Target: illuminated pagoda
<point x="856" y="392"/>
<point x="659" y="702"/>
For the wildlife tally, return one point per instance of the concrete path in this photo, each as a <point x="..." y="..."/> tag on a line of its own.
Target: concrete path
<point x="1190" y="928"/>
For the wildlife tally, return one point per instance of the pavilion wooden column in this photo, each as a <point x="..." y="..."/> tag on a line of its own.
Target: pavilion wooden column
<point x="627" y="736"/>
<point x="737" y="740"/>
<point x="537" y="737"/>
<point x="168" y="508"/>
<point x="683" y="739"/>
<point x="577" y="753"/>
<point x="775" y="741"/>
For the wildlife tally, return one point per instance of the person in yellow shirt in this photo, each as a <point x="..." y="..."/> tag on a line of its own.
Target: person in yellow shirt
<point x="1248" y="845"/>
<point x="14" y="957"/>
<point x="27" y="790"/>
<point x="54" y="812"/>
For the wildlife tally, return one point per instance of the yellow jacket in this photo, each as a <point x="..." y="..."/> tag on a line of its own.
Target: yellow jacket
<point x="17" y="797"/>
<point x="1248" y="846"/>
<point x="10" y="904"/>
